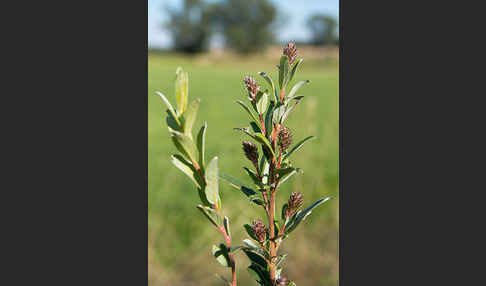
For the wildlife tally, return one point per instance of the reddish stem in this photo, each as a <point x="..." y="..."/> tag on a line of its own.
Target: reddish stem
<point x="227" y="238"/>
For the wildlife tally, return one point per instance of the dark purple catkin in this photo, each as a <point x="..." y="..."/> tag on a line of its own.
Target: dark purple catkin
<point x="284" y="138"/>
<point x="251" y="152"/>
<point x="291" y="52"/>
<point x="295" y="202"/>
<point x="259" y="230"/>
<point x="251" y="86"/>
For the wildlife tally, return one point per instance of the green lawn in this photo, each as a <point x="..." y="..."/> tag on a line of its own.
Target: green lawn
<point x="180" y="238"/>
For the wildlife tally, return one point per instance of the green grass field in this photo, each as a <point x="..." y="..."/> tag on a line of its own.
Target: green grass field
<point x="180" y="238"/>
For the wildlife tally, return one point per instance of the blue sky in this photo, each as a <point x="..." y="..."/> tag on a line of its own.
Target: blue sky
<point x="295" y="29"/>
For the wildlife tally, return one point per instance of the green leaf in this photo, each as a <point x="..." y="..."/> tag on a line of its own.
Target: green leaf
<point x="212" y="187"/>
<point x="265" y="172"/>
<point x="171" y="122"/>
<point x="301" y="215"/>
<point x="250" y="244"/>
<point x="253" y="176"/>
<point x="171" y="109"/>
<point x="226" y="226"/>
<point x="296" y="87"/>
<point x="297" y="146"/>
<point x="186" y="167"/>
<point x="270" y="81"/>
<point x="261" y="102"/>
<point x="246" y="130"/>
<point x="250" y="232"/>
<point x="212" y="215"/>
<point x="182" y="90"/>
<point x="290" y="175"/>
<point x="255" y="127"/>
<point x="294" y="68"/>
<point x="256" y="259"/>
<point x="202" y="196"/>
<point x="260" y="275"/>
<point x="245" y="107"/>
<point x="292" y="284"/>
<point x="185" y="145"/>
<point x="283" y="72"/>
<point x="288" y="109"/>
<point x="221" y="255"/>
<point x="285" y="171"/>
<point x="278" y="112"/>
<point x="257" y="200"/>
<point x="190" y="117"/>
<point x="201" y="145"/>
<point x="237" y="184"/>
<point x="263" y="140"/>
<point x="268" y="119"/>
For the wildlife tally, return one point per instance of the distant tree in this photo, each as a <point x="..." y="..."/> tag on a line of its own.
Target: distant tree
<point x="190" y="26"/>
<point x="245" y="24"/>
<point x="323" y="29"/>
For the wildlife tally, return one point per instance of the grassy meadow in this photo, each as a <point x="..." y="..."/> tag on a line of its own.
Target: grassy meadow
<point x="179" y="237"/>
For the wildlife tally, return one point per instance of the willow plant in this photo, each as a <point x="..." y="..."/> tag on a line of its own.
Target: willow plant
<point x="268" y="111"/>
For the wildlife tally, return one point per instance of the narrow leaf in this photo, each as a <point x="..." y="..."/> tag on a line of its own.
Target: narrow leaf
<point x="290" y="175"/>
<point x="186" y="145"/>
<point x="201" y="145"/>
<point x="212" y="187"/>
<point x="246" y="130"/>
<point x="190" y="117"/>
<point x="253" y="176"/>
<point x="226" y="226"/>
<point x="270" y="81"/>
<point x="263" y="140"/>
<point x="301" y="215"/>
<point x="250" y="232"/>
<point x="213" y="216"/>
<point x="171" y="109"/>
<point x="182" y="89"/>
<point x="250" y="243"/>
<point x="268" y="119"/>
<point x="294" y="68"/>
<point x="221" y="255"/>
<point x="296" y="87"/>
<point x="283" y="72"/>
<point x="256" y="258"/>
<point x="237" y="184"/>
<point x="186" y="168"/>
<point x="262" y="102"/>
<point x="245" y="107"/>
<point x="266" y="172"/>
<point x="298" y="146"/>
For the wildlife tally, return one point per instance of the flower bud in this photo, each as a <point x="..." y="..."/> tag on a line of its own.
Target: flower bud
<point x="285" y="138"/>
<point x="251" y="152"/>
<point x="251" y="86"/>
<point x="259" y="230"/>
<point x="291" y="52"/>
<point x="283" y="281"/>
<point x="295" y="202"/>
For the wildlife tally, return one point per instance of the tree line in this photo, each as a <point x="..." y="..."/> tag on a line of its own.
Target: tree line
<point x="247" y="26"/>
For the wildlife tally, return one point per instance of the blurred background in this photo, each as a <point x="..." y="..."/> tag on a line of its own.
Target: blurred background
<point x="218" y="43"/>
